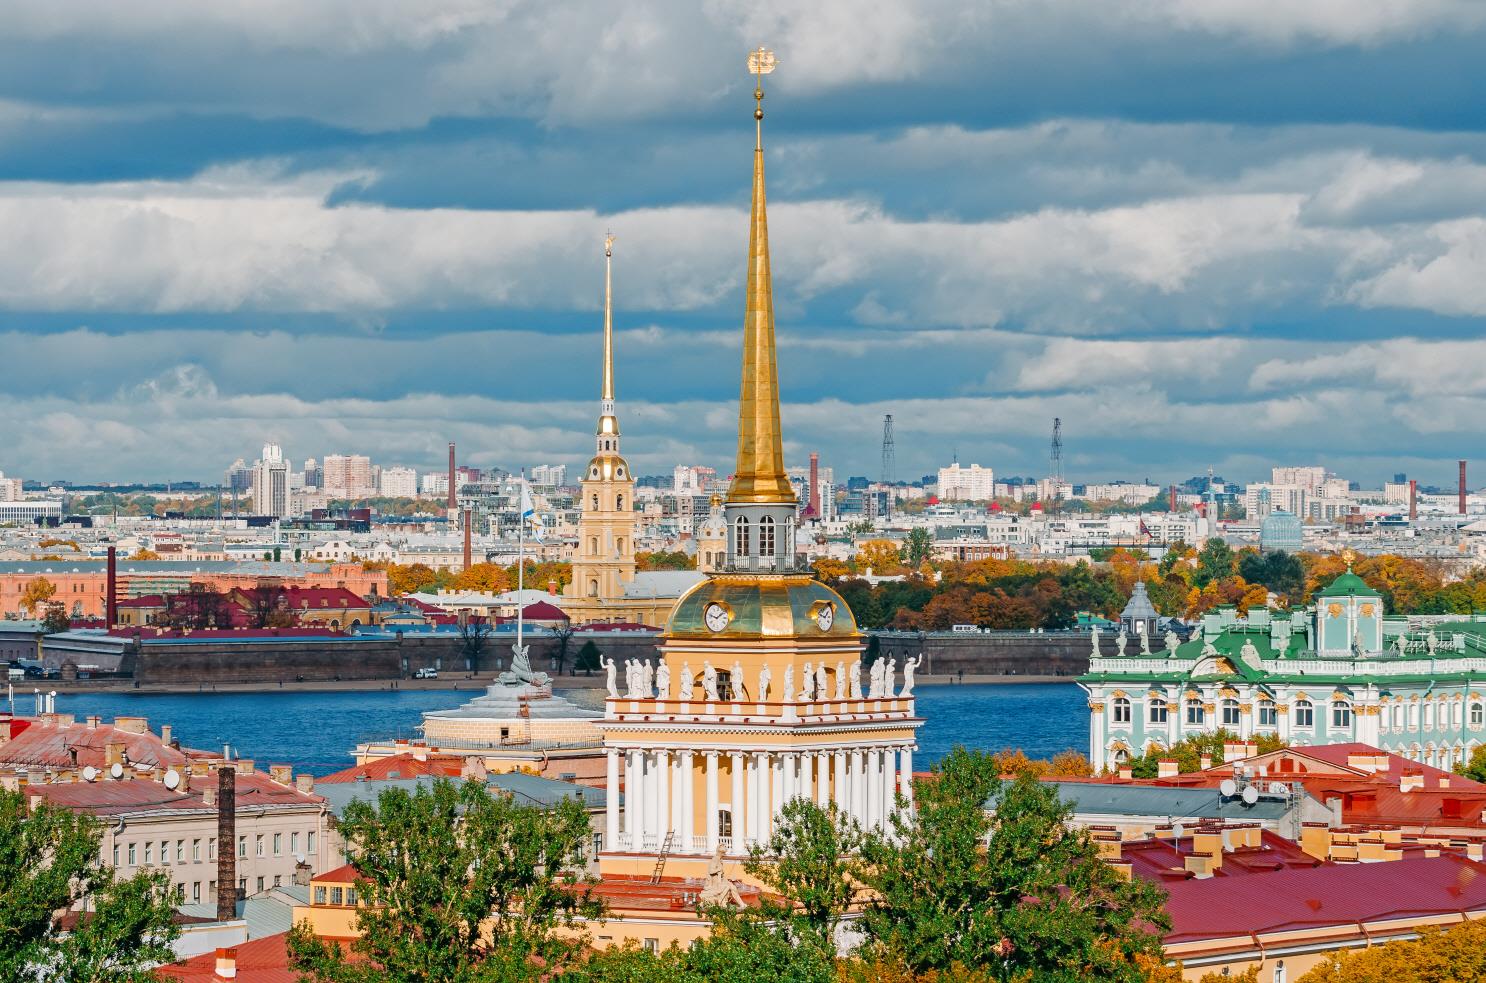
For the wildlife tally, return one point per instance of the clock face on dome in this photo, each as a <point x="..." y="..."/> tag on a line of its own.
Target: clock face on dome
<point x="716" y="617"/>
<point x="825" y="617"/>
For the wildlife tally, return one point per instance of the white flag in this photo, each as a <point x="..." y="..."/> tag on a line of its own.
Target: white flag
<point x="529" y="513"/>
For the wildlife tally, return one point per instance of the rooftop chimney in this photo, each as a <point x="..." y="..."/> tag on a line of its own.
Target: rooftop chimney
<point x="227" y="964"/>
<point x="1413" y="499"/>
<point x="1166" y="768"/>
<point x="1462" y="488"/>
<point x="466" y="539"/>
<point x="304" y="783"/>
<point x="111" y="590"/>
<point x="227" y="846"/>
<point x="166" y="732"/>
<point x="815" y="484"/>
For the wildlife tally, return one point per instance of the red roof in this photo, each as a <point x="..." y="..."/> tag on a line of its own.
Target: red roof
<point x="616" y="626"/>
<point x="51" y="745"/>
<point x="300" y="598"/>
<point x="144" y="601"/>
<point x="148" y="632"/>
<point x="264" y="960"/>
<point x="398" y="766"/>
<point x="107" y="798"/>
<point x="1330" y="894"/>
<point x="1164" y="859"/>
<point x="344" y="874"/>
<point x="542" y="611"/>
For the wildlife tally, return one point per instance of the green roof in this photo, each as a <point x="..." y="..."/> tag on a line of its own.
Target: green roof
<point x="1348" y="585"/>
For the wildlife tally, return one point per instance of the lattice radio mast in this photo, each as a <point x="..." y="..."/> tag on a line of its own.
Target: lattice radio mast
<point x="1055" y="464"/>
<point x="889" y="461"/>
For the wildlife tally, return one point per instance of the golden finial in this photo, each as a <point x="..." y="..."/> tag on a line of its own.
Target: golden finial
<point x="1349" y="557"/>
<point x="608" y="424"/>
<point x="608" y="244"/>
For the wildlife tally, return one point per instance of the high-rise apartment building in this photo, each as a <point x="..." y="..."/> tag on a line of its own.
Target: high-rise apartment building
<point x="10" y="489"/>
<point x="1309" y="477"/>
<point x="966" y="483"/>
<point x="692" y="479"/>
<point x="435" y="484"/>
<point x="348" y="476"/>
<point x="398" y="483"/>
<point x="311" y="473"/>
<point x="271" y="483"/>
<point x="549" y="475"/>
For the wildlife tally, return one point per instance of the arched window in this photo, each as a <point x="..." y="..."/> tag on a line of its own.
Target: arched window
<point x="1121" y="710"/>
<point x="1429" y="715"/>
<point x="1158" y="711"/>
<point x="593" y="588"/>
<point x="618" y="503"/>
<point x="1196" y="716"/>
<point x="1122" y="756"/>
<point x="1478" y="715"/>
<point x="1305" y="714"/>
<point x="741" y="544"/>
<point x="1230" y="713"/>
<point x="1413" y="716"/>
<point x="593" y="546"/>
<point x="1341" y="714"/>
<point x="766" y="536"/>
<point x="595" y="503"/>
<point x="1398" y="716"/>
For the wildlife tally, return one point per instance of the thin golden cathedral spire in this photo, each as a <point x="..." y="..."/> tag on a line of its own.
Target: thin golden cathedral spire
<point x="759" y="476"/>
<point x="608" y="422"/>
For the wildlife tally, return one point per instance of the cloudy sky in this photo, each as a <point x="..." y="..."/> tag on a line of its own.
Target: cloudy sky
<point x="1226" y="232"/>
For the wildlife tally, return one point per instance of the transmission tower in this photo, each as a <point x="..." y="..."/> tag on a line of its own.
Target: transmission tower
<point x="1055" y="464"/>
<point x="889" y="463"/>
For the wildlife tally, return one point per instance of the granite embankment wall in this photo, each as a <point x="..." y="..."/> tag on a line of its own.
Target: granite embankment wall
<point x="183" y="662"/>
<point x="995" y="653"/>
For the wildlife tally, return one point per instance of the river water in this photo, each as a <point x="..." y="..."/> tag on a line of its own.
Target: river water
<point x="315" y="731"/>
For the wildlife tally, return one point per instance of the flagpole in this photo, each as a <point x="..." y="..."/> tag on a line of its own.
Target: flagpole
<point x="520" y="554"/>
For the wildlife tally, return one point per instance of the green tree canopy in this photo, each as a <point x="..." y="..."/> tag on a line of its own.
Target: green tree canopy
<point x="49" y="862"/>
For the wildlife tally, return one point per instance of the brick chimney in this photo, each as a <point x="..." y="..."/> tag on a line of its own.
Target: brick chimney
<point x="815" y="484"/>
<point x="227" y="847"/>
<point x="1462" y="488"/>
<point x="467" y="551"/>
<point x="1205" y="762"/>
<point x="304" y="783"/>
<point x="111" y="590"/>
<point x="1413" y="499"/>
<point x="1166" y="768"/>
<point x="226" y="964"/>
<point x="283" y="774"/>
<point x="166" y="732"/>
<point x="1410" y="781"/>
<point x="453" y="482"/>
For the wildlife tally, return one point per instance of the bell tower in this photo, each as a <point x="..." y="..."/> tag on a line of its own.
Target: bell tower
<point x="759" y="697"/>
<point x="605" y="556"/>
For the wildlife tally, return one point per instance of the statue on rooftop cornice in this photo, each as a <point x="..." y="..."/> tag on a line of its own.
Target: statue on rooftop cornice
<point x="1209" y="650"/>
<point x="841" y="680"/>
<point x="709" y="680"/>
<point x="807" y="683"/>
<point x="1249" y="653"/>
<point x="764" y="675"/>
<point x="854" y="680"/>
<point x="1171" y="643"/>
<point x="610" y="671"/>
<point x="1120" y="641"/>
<point x="1145" y="640"/>
<point x="521" y="671"/>
<point x="1094" y="639"/>
<point x="663" y="681"/>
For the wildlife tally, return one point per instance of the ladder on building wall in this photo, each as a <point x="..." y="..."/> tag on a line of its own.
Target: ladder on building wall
<point x="660" y="861"/>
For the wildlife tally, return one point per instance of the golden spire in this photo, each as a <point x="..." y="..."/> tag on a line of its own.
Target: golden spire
<point x="759" y="476"/>
<point x="608" y="422"/>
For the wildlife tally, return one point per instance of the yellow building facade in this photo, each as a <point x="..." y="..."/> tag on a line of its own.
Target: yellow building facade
<point x="759" y="696"/>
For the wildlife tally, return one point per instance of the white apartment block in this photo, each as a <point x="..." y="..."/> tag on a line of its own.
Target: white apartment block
<point x="271" y="483"/>
<point x="1309" y="477"/>
<point x="549" y="475"/>
<point x="1121" y="491"/>
<point x="689" y="479"/>
<point x="966" y="483"/>
<point x="435" y="484"/>
<point x="1262" y="498"/>
<point x="398" y="482"/>
<point x="10" y="489"/>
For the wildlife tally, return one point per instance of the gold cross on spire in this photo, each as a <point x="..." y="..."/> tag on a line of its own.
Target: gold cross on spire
<point x="760" y="63"/>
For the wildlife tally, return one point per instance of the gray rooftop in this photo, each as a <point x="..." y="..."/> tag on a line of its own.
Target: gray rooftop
<point x="530" y="789"/>
<point x="1099" y="799"/>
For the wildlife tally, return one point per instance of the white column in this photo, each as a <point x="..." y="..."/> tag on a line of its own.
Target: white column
<point x="711" y="804"/>
<point x="662" y="821"/>
<point x="633" y="811"/>
<point x="822" y="778"/>
<point x="763" y="777"/>
<point x="859" y="785"/>
<point x="1096" y="730"/>
<point x="874" y="787"/>
<point x="739" y="830"/>
<point x="889" y="782"/>
<point x="776" y="794"/>
<point x="687" y="798"/>
<point x="611" y="813"/>
<point x="838" y="791"/>
<point x="908" y="776"/>
<point x="678" y="796"/>
<point x="789" y="761"/>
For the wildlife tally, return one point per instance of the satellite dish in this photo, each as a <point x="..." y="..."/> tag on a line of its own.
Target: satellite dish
<point x="299" y="858"/>
<point x="90" y="774"/>
<point x="1250" y="795"/>
<point x="116" y="770"/>
<point x="1278" y="788"/>
<point x="1178" y="830"/>
<point x="1229" y="788"/>
<point x="172" y="779"/>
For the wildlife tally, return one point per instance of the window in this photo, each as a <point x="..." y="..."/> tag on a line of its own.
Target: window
<point x="1158" y="711"/>
<point x="211" y="848"/>
<point x="350" y="895"/>
<point x="593" y="546"/>
<point x="149" y="853"/>
<point x="618" y="503"/>
<point x="1268" y="716"/>
<point x="180" y="851"/>
<point x="595" y="503"/>
<point x="116" y="854"/>
<point x="1121" y="714"/>
<point x="1195" y="714"/>
<point x="1478" y="715"/>
<point x="766" y="536"/>
<point x="1341" y="714"/>
<point x="294" y="842"/>
<point x="260" y="885"/>
<point x="1305" y="714"/>
<point x="741" y="544"/>
<point x="593" y="588"/>
<point x="337" y="895"/>
<point x="319" y="895"/>
<point x="1429" y="715"/>
<point x="196" y="892"/>
<point x="258" y="845"/>
<point x="278" y="844"/>
<point x="242" y="847"/>
<point x="165" y="851"/>
<point x="196" y="851"/>
<point x="211" y="891"/>
<point x="1398" y="716"/>
<point x="310" y="841"/>
<point x="1230" y="713"/>
<point x="1413" y="716"/>
<point x="652" y="945"/>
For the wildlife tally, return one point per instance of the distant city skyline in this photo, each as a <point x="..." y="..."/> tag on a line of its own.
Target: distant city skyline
<point x="1230" y="235"/>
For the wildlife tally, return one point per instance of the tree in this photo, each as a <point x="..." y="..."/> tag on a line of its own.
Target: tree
<point x="459" y="885"/>
<point x="1440" y="954"/>
<point x="562" y="641"/>
<point x="56" y="619"/>
<point x="664" y="560"/>
<point x="36" y="593"/>
<point x="199" y="606"/>
<point x="414" y="577"/>
<point x="143" y="554"/>
<point x="474" y="637"/>
<point x="484" y="578"/>
<point x="588" y="657"/>
<point x="49" y="862"/>
<point x="1214" y="563"/>
<point x="829" y="571"/>
<point x="806" y="870"/>
<point x="1020" y="893"/>
<point x="918" y="549"/>
<point x="880" y="556"/>
<point x="1475" y="768"/>
<point x="265" y="606"/>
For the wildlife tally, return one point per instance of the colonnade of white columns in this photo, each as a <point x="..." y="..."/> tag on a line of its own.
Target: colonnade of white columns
<point x="659" y="792"/>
